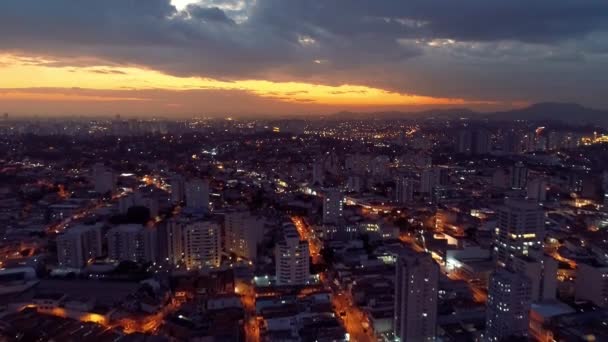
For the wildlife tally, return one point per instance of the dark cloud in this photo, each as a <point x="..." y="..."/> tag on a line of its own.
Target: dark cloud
<point x="108" y="72"/>
<point x="403" y="45"/>
<point x="210" y="14"/>
<point x="522" y="20"/>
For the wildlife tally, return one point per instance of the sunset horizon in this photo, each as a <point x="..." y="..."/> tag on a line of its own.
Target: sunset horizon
<point x="247" y="57"/>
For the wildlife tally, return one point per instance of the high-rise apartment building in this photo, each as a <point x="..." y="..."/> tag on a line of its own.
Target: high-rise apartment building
<point x="520" y="228"/>
<point x="542" y="272"/>
<point x="132" y="242"/>
<point x="592" y="283"/>
<point x="473" y="142"/>
<point x="292" y="258"/>
<point x="79" y="244"/>
<point x="512" y="143"/>
<point x="537" y="189"/>
<point x="178" y="189"/>
<point x="197" y="195"/>
<point x="318" y="172"/>
<point x="519" y="176"/>
<point x="416" y="283"/>
<point x="202" y="244"/>
<point x="243" y="232"/>
<point x="333" y="203"/>
<point x="404" y="190"/>
<point x="508" y="307"/>
<point x="354" y="184"/>
<point x="194" y="242"/>
<point x="433" y="177"/>
<point x="172" y="241"/>
<point x="104" y="180"/>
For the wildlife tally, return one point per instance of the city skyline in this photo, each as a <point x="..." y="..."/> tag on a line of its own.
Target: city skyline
<point x="304" y="170"/>
<point x="246" y="57"/>
<point x="264" y="230"/>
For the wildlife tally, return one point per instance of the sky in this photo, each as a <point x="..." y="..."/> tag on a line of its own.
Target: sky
<point x="231" y="57"/>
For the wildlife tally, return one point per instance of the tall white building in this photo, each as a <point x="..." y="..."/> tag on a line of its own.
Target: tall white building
<point x="542" y="272"/>
<point x="508" y="307"/>
<point x="202" y="244"/>
<point x="592" y="283"/>
<point x="416" y="286"/>
<point x="104" y="179"/>
<point x="292" y="258"/>
<point x="520" y="228"/>
<point x="333" y="203"/>
<point x="404" y="190"/>
<point x="243" y="232"/>
<point x="193" y="242"/>
<point x="197" y="195"/>
<point x="132" y="242"/>
<point x="79" y="244"/>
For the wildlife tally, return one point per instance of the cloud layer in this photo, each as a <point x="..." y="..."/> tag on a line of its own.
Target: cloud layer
<point x="530" y="50"/>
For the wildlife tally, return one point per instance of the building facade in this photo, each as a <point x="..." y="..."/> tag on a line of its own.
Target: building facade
<point x="78" y="245"/>
<point x="193" y="242"/>
<point x="508" y="307"/>
<point x="592" y="283"/>
<point x="520" y="228"/>
<point x="197" y="195"/>
<point x="333" y="204"/>
<point x="292" y="255"/>
<point x="132" y="242"/>
<point x="243" y="232"/>
<point x="416" y="287"/>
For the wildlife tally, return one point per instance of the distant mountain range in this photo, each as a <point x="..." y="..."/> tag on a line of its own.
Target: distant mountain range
<point x="570" y="113"/>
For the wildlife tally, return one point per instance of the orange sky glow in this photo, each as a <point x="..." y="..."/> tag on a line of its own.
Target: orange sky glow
<point x="42" y="79"/>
